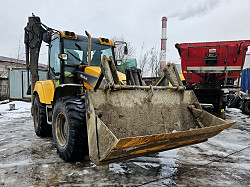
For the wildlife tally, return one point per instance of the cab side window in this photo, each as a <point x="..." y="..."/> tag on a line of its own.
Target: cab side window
<point x="54" y="60"/>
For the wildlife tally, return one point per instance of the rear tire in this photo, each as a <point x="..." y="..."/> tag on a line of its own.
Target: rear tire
<point x="246" y="107"/>
<point x="69" y="129"/>
<point x="234" y="102"/>
<point x="230" y="96"/>
<point x="42" y="128"/>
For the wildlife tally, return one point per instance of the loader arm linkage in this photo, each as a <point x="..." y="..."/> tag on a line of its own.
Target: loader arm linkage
<point x="127" y="121"/>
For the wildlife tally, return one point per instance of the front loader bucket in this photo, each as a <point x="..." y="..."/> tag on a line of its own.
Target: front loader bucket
<point x="124" y="124"/>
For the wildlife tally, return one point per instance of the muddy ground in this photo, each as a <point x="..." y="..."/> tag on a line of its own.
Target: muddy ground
<point x="27" y="160"/>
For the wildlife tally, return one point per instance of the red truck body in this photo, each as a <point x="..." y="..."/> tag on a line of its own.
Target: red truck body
<point x="194" y="60"/>
<point x="211" y="68"/>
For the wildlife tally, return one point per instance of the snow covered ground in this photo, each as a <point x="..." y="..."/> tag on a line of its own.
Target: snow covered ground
<point x="27" y="160"/>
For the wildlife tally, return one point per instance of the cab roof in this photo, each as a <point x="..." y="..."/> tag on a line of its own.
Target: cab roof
<point x="74" y="36"/>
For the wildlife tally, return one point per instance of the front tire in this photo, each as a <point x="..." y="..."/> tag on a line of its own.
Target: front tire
<point x="42" y="128"/>
<point x="69" y="129"/>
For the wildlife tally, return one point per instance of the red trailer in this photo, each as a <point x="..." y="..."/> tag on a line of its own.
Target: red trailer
<point x="213" y="69"/>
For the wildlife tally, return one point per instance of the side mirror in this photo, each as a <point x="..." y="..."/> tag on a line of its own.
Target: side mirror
<point x="125" y="50"/>
<point x="63" y="56"/>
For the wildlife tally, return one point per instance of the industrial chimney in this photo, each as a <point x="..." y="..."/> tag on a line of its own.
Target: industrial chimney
<point x="163" y="43"/>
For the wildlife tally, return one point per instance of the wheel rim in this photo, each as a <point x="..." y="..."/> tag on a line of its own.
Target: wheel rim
<point x="62" y="130"/>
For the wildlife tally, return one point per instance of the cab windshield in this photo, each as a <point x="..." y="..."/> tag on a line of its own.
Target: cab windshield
<point x="78" y="52"/>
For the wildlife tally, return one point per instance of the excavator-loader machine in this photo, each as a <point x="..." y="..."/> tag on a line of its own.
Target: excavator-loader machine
<point x="93" y="110"/>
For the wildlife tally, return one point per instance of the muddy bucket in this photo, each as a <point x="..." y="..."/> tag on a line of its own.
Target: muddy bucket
<point x="129" y="123"/>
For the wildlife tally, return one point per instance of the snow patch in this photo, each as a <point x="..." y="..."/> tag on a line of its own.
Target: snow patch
<point x="22" y="109"/>
<point x="116" y="168"/>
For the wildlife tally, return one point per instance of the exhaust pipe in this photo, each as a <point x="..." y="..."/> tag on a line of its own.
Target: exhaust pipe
<point x="89" y="48"/>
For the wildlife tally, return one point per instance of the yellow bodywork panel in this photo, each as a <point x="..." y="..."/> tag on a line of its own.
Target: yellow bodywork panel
<point x="122" y="76"/>
<point x="45" y="90"/>
<point x="95" y="70"/>
<point x="181" y="76"/>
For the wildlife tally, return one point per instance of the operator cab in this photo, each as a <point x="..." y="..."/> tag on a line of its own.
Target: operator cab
<point x="75" y="50"/>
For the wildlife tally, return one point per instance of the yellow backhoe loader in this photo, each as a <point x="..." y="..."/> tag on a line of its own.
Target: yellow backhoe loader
<point x="93" y="110"/>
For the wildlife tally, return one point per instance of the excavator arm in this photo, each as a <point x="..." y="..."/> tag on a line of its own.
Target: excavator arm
<point x="35" y="33"/>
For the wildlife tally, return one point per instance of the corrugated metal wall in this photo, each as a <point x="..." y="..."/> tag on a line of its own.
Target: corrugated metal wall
<point x="18" y="83"/>
<point x="245" y="76"/>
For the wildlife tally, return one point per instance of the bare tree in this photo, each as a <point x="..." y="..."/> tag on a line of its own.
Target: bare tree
<point x="19" y="56"/>
<point x="143" y="60"/>
<point x="20" y="49"/>
<point x="119" y="49"/>
<point x="154" y="62"/>
<point x="149" y="62"/>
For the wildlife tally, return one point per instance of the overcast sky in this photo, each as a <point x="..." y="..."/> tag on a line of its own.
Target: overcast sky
<point x="138" y="21"/>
